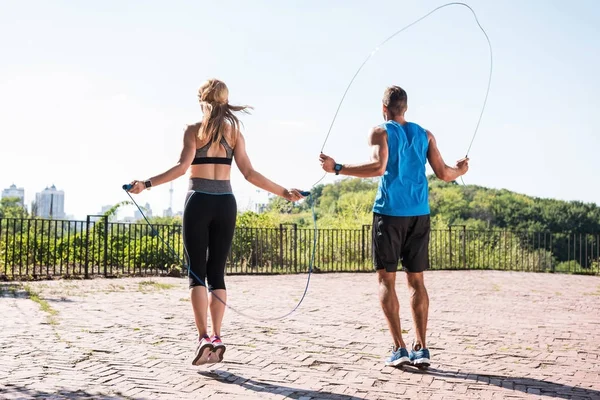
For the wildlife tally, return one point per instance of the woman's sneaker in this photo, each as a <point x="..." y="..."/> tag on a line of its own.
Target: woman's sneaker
<point x="399" y="357"/>
<point x="203" y="351"/>
<point x="218" y="349"/>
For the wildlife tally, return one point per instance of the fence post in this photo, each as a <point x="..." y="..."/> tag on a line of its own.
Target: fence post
<point x="464" y="247"/>
<point x="362" y="241"/>
<point x="87" y="246"/>
<point x="105" y="245"/>
<point x="6" y="253"/>
<point x="552" y="266"/>
<point x="87" y="243"/>
<point x="281" y="246"/>
<point x="450" y="243"/>
<point x="295" y="248"/>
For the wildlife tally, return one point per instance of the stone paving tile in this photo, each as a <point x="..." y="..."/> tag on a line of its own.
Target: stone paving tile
<point x="492" y="335"/>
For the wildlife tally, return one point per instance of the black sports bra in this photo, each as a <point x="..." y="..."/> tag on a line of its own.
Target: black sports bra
<point x="202" y="157"/>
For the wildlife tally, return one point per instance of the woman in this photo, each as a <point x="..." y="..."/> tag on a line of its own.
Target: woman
<point x="210" y="208"/>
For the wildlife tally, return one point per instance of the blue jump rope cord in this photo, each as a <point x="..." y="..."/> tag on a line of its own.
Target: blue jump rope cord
<point x="311" y="265"/>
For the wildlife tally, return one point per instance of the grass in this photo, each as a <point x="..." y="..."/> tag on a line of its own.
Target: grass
<point x="44" y="305"/>
<point x="115" y="288"/>
<point x="143" y="285"/>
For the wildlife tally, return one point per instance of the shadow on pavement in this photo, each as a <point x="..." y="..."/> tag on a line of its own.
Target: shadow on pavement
<point x="19" y="392"/>
<point x="525" y="385"/>
<point x="259" y="386"/>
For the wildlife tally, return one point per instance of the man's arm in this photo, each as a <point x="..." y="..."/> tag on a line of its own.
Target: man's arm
<point x="377" y="165"/>
<point x="441" y="170"/>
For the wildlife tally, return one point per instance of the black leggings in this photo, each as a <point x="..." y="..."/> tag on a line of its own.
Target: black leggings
<point x="208" y="226"/>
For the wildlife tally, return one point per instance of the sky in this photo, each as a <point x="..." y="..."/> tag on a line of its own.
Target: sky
<point x="96" y="94"/>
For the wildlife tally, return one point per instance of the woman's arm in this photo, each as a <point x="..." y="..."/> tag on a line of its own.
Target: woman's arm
<point x="185" y="160"/>
<point x="256" y="178"/>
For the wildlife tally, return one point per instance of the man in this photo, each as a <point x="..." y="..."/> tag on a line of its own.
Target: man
<point x="401" y="224"/>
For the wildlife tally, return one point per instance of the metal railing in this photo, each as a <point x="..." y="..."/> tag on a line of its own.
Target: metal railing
<point x="40" y="248"/>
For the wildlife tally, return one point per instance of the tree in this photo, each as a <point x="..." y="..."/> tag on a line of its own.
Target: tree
<point x="10" y="207"/>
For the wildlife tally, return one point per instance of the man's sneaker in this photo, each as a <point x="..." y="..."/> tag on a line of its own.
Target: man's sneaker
<point x="420" y="358"/>
<point x="218" y="349"/>
<point x="399" y="357"/>
<point x="203" y="351"/>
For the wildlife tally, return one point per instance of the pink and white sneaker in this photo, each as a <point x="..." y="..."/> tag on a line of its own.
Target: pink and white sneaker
<point x="218" y="350"/>
<point x="203" y="351"/>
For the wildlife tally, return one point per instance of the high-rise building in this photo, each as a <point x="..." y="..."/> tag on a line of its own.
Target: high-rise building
<point x="147" y="211"/>
<point x="14" y="191"/>
<point x="50" y="203"/>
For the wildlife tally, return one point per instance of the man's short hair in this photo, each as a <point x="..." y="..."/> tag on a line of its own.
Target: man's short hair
<point x="395" y="99"/>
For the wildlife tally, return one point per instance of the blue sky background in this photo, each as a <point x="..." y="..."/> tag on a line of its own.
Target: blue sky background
<point x="95" y="94"/>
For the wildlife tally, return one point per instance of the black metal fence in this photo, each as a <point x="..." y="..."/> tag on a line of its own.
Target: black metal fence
<point x="39" y="248"/>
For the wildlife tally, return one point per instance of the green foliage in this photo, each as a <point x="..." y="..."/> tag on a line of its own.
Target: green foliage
<point x="347" y="204"/>
<point x="472" y="227"/>
<point x="10" y="208"/>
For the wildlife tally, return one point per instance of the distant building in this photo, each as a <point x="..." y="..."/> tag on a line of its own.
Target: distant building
<point x="168" y="212"/>
<point x="261" y="202"/>
<point x="50" y="203"/>
<point x="14" y="191"/>
<point x="147" y="212"/>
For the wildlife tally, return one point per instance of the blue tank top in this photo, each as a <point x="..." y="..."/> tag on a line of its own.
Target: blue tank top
<point x="403" y="189"/>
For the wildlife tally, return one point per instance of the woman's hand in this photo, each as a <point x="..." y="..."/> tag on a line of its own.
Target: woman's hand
<point x="137" y="187"/>
<point x="292" y="194"/>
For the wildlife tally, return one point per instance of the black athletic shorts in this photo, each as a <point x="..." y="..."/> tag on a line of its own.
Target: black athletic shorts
<point x="403" y="239"/>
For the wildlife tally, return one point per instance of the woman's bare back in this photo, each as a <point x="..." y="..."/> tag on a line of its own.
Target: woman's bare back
<point x="220" y="151"/>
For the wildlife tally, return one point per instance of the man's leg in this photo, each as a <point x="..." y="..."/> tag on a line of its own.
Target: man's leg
<point x="387" y="244"/>
<point x="419" y="301"/>
<point x="415" y="257"/>
<point x="390" y="305"/>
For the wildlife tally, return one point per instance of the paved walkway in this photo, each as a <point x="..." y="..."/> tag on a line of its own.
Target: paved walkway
<point x="493" y="335"/>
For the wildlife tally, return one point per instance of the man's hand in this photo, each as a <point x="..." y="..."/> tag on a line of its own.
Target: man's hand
<point x="462" y="165"/>
<point x="327" y="163"/>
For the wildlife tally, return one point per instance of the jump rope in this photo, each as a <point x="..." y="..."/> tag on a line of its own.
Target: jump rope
<point x="308" y="194"/>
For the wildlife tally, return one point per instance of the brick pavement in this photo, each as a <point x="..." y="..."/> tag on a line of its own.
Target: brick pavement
<point x="493" y="335"/>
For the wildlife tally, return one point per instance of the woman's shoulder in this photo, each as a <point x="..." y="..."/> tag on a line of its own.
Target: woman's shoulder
<point x="195" y="126"/>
